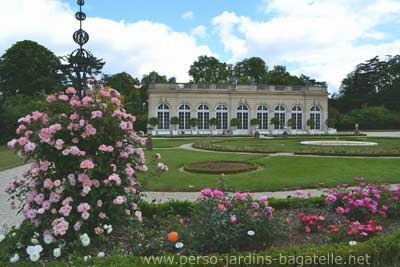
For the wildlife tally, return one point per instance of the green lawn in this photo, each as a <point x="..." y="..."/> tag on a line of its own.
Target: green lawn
<point x="385" y="147"/>
<point x="280" y="173"/>
<point x="8" y="158"/>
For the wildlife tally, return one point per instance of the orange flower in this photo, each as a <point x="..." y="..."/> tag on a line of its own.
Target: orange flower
<point x="173" y="237"/>
<point x="181" y="220"/>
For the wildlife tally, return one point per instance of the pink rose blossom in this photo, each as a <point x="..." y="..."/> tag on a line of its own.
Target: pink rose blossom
<point x="60" y="226"/>
<point x="87" y="164"/>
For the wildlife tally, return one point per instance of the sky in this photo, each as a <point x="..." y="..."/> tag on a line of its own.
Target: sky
<point x="323" y="39"/>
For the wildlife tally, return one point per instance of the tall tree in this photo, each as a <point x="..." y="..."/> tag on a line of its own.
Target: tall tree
<point x="149" y="78"/>
<point x="250" y="69"/>
<point x="94" y="67"/>
<point x="280" y="76"/>
<point x="28" y="68"/>
<point x="209" y="70"/>
<point x="389" y="90"/>
<point x="361" y="87"/>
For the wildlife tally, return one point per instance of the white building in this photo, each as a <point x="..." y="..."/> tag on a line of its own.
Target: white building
<point x="304" y="107"/>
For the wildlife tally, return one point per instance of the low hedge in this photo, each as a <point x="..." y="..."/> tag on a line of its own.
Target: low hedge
<point x="381" y="251"/>
<point x="214" y="147"/>
<point x="252" y="167"/>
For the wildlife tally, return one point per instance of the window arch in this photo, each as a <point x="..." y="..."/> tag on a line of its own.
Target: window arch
<point x="163" y="116"/>
<point x="203" y="117"/>
<point x="221" y="112"/>
<point x="262" y="116"/>
<point x="297" y="118"/>
<point x="280" y="115"/>
<point x="315" y="117"/>
<point x="184" y="117"/>
<point x="242" y="114"/>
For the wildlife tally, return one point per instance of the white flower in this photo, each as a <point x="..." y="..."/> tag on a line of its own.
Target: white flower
<point x="85" y="258"/>
<point x="13" y="234"/>
<point x="19" y="245"/>
<point x="85" y="240"/>
<point x="34" y="241"/>
<point x="101" y="254"/>
<point x="48" y="239"/>
<point x="2" y="237"/>
<point x="34" y="257"/>
<point x="14" y="258"/>
<point x="57" y="252"/>
<point x="352" y="243"/>
<point x="179" y="245"/>
<point x="251" y="233"/>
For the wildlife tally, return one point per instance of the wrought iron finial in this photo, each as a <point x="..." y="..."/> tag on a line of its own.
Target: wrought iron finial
<point x="80" y="58"/>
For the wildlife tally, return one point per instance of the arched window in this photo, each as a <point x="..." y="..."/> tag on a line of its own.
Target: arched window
<point x="315" y="117"/>
<point x="203" y="117"/>
<point x="222" y="117"/>
<point x="242" y="114"/>
<point x="163" y="116"/>
<point x="184" y="117"/>
<point x="262" y="116"/>
<point x="280" y="114"/>
<point x="297" y="118"/>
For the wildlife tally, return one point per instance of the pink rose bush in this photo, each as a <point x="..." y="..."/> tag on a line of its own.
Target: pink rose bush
<point x="358" y="212"/>
<point x="86" y="158"/>
<point x="222" y="221"/>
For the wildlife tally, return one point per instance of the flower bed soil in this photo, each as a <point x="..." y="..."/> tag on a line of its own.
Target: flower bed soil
<point x="221" y="167"/>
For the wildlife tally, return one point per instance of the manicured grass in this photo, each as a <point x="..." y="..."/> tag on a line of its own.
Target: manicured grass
<point x="385" y="147"/>
<point x="279" y="173"/>
<point x="8" y="159"/>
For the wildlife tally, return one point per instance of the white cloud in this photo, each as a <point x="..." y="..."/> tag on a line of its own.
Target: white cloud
<point x="326" y="38"/>
<point x="137" y="48"/>
<point x="188" y="15"/>
<point x="199" y="31"/>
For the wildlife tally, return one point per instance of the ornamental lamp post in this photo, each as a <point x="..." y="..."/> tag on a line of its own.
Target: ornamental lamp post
<point x="80" y="58"/>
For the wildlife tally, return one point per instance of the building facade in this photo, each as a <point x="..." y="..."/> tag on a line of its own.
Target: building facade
<point x="295" y="109"/>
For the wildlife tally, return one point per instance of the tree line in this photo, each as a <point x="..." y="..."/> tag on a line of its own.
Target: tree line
<point x="369" y="95"/>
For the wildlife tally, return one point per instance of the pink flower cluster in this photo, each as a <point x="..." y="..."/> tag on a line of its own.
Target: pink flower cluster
<point x="227" y="204"/>
<point x="98" y="188"/>
<point x="312" y="223"/>
<point x="366" y="199"/>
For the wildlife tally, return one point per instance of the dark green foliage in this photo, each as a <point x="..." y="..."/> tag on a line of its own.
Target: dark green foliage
<point x="250" y="70"/>
<point x="147" y="79"/>
<point x="374" y="83"/>
<point x="29" y="68"/>
<point x="280" y="76"/>
<point x="14" y="107"/>
<point x="209" y="70"/>
<point x="371" y="118"/>
<point x="128" y="88"/>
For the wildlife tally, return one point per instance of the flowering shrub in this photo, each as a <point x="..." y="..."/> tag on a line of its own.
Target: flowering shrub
<point x="362" y="202"/>
<point x="312" y="223"/>
<point x="82" y="183"/>
<point x="354" y="230"/>
<point x="225" y="221"/>
<point x="359" y="211"/>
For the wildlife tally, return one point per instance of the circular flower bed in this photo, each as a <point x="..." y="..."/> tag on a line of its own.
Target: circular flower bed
<point x="216" y="167"/>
